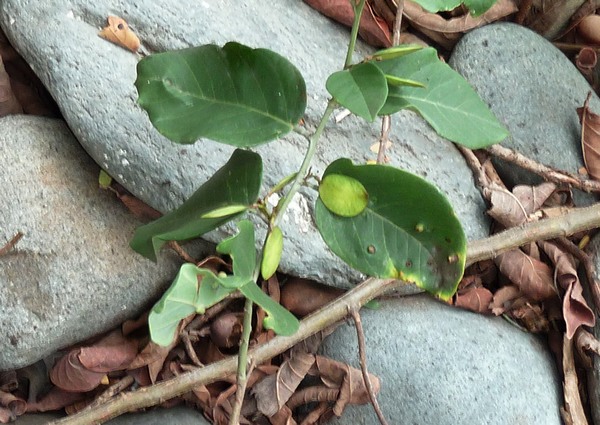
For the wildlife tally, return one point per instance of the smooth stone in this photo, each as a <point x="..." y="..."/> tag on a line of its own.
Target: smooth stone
<point x="73" y="274"/>
<point x="92" y="80"/>
<point x="440" y="365"/>
<point x="534" y="89"/>
<point x="178" y="415"/>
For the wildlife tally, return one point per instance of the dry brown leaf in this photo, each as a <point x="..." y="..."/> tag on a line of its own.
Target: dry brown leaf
<point x="6" y="416"/>
<point x="552" y="19"/>
<point x="82" y="369"/>
<point x="585" y="342"/>
<point x="118" y="32"/>
<point x="576" y="312"/>
<point x="533" y="197"/>
<point x="586" y="61"/>
<point x="514" y="208"/>
<point x="8" y="102"/>
<point x="303" y="296"/>
<point x="533" y="277"/>
<point x="372" y="29"/>
<point x="590" y="139"/>
<point x="461" y="24"/>
<point x="275" y="390"/>
<point x="226" y="330"/>
<point x="55" y="399"/>
<point x="474" y="298"/>
<point x="504" y="298"/>
<point x="532" y="316"/>
<point x="16" y="405"/>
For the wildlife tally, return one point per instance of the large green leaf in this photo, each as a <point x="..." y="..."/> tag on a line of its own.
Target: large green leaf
<point x="236" y="183"/>
<point x="408" y="230"/>
<point x="234" y="94"/>
<point x="448" y="102"/>
<point x="362" y="89"/>
<point x="476" y="7"/>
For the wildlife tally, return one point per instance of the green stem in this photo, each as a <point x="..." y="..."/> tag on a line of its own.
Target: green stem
<point x="312" y="146"/>
<point x="242" y="376"/>
<point x="358" y="9"/>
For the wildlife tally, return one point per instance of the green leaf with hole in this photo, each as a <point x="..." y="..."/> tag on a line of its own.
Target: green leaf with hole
<point x="407" y="231"/>
<point x="343" y="195"/>
<point x="232" y="94"/>
<point x="241" y="248"/>
<point x="272" y="253"/>
<point x="236" y="183"/>
<point x="278" y="318"/>
<point x="362" y="89"/>
<point x="476" y="7"/>
<point x="448" y="103"/>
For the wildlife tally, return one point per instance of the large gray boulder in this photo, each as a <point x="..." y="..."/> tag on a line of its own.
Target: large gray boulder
<point x="72" y="275"/>
<point x="439" y="365"/>
<point x="92" y="82"/>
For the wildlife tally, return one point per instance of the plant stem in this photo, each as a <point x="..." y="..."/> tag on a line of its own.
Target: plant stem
<point x="358" y="9"/>
<point x="242" y="376"/>
<point x="312" y="146"/>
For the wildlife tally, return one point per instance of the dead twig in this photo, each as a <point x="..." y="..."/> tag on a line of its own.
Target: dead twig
<point x="181" y="252"/>
<point x="111" y="391"/>
<point x="548" y="173"/>
<point x="572" y="412"/>
<point x="10" y="244"/>
<point x="362" y="348"/>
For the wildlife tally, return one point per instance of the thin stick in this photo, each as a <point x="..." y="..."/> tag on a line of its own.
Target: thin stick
<point x="475" y="165"/>
<point x="243" y="359"/>
<point x="111" y="391"/>
<point x="362" y="349"/>
<point x="10" y="244"/>
<point x="181" y="252"/>
<point x="386" y="121"/>
<point x="548" y="173"/>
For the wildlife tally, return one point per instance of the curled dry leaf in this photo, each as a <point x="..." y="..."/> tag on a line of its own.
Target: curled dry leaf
<point x="590" y="139"/>
<point x="55" y="399"/>
<point x="226" y="330"/>
<point x="83" y="369"/>
<point x="303" y="296"/>
<point x="533" y="277"/>
<point x="586" y="61"/>
<point x="118" y="32"/>
<point x="372" y="29"/>
<point x="576" y="312"/>
<point x="514" y="209"/>
<point x="16" y="405"/>
<point x="504" y="298"/>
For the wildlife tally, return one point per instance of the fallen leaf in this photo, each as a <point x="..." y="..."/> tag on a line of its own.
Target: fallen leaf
<point x="515" y="208"/>
<point x="372" y="29"/>
<point x="16" y="405"/>
<point x="533" y="277"/>
<point x="586" y="61"/>
<point x="117" y="31"/>
<point x="576" y="312"/>
<point x="303" y="296"/>
<point x="590" y="139"/>
<point x="503" y="299"/>
<point x="477" y="299"/>
<point x="55" y="399"/>
<point x="573" y="405"/>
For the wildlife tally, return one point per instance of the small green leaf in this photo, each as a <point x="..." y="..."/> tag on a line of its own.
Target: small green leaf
<point x="272" y="253"/>
<point x="234" y="94"/>
<point x="396" y="81"/>
<point x="224" y="211"/>
<point x="343" y="195"/>
<point x="362" y="89"/>
<point x="278" y="318"/>
<point x="242" y="250"/>
<point x="177" y="303"/>
<point x="448" y="102"/>
<point x="236" y="183"/>
<point x="476" y="7"/>
<point x="396" y="51"/>
<point x="408" y="230"/>
<point x="104" y="180"/>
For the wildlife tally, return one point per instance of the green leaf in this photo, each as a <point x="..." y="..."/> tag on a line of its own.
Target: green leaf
<point x="242" y="250"/>
<point x="396" y="51"/>
<point x="343" y="195"/>
<point x="177" y="303"/>
<point x="408" y="230"/>
<point x="476" y="7"/>
<point x="104" y="180"/>
<point x="448" y="102"/>
<point x="234" y="94"/>
<point x="362" y="89"/>
<point x="272" y="253"/>
<point x="278" y="318"/>
<point x="236" y="183"/>
<point x="224" y="211"/>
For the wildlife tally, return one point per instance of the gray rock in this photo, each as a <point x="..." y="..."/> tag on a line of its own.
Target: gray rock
<point x="73" y="274"/>
<point x="439" y="365"/>
<point x="533" y="89"/>
<point x="92" y="81"/>
<point x="175" y="415"/>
